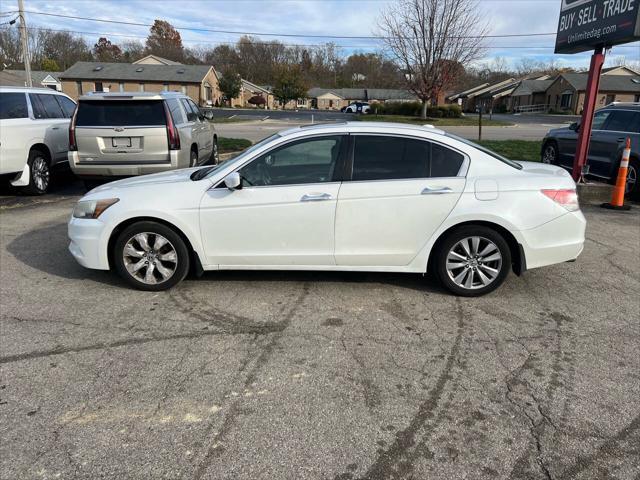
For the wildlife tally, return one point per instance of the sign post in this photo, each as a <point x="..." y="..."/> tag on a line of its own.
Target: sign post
<point x="594" y="25"/>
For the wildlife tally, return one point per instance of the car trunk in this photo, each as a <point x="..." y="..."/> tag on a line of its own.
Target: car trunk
<point x="122" y="132"/>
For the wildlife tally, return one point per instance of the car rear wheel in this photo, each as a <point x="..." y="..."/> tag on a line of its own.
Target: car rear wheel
<point x="632" y="188"/>
<point x="473" y="261"/>
<point x="151" y="256"/>
<point x="39" y="173"/>
<point x="193" y="158"/>
<point x="550" y="153"/>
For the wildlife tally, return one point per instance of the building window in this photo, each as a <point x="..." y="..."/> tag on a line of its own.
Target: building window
<point x="636" y="98"/>
<point x="610" y="99"/>
<point x="183" y="89"/>
<point x="79" y="87"/>
<point x="122" y="86"/>
<point x="142" y="87"/>
<point x="98" y="86"/>
<point x="566" y="100"/>
<point x="165" y="87"/>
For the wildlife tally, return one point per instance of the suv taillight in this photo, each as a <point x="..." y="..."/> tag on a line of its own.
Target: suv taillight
<point x="172" y="132"/>
<point x="73" y="144"/>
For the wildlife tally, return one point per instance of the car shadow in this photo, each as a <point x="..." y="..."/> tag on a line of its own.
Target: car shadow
<point x="45" y="249"/>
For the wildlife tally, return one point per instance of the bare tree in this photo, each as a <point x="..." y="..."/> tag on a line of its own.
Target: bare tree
<point x="432" y="40"/>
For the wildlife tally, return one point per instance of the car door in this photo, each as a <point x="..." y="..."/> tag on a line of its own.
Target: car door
<point x="401" y="190"/>
<point x="284" y="214"/>
<point x="205" y="141"/>
<point x="193" y="124"/>
<point x="568" y="140"/>
<point x="48" y="112"/>
<point x="607" y="142"/>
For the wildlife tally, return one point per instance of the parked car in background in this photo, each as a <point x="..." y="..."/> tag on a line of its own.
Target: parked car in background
<point x="357" y="107"/>
<point x="127" y="134"/>
<point x="359" y="196"/>
<point x="33" y="135"/>
<point x="612" y="125"/>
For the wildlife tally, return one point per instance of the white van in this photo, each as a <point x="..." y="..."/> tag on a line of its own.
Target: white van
<point x="34" y="135"/>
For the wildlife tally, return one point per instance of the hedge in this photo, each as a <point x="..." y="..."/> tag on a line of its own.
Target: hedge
<point x="413" y="109"/>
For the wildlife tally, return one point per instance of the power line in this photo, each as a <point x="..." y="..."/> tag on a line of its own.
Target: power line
<point x="272" y="34"/>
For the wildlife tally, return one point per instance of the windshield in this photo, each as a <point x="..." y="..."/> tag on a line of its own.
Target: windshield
<point x="203" y="172"/>
<point x="491" y="153"/>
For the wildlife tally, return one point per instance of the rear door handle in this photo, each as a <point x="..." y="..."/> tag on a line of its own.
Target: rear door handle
<point x="435" y="191"/>
<point x="55" y="128"/>
<point x="315" y="197"/>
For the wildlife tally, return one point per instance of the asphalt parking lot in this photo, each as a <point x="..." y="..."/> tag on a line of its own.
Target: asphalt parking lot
<point x="244" y="375"/>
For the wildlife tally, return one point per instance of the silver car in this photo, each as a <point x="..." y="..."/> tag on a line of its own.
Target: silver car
<point x="126" y="134"/>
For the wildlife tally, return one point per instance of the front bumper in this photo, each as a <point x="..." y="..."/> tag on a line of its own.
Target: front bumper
<point x="560" y="240"/>
<point x="88" y="243"/>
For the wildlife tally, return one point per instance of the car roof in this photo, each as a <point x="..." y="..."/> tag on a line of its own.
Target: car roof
<point x="623" y="106"/>
<point x="131" y="95"/>
<point x="374" y="127"/>
<point x="29" y="89"/>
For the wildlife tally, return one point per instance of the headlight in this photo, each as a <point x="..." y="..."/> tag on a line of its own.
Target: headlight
<point x="92" y="208"/>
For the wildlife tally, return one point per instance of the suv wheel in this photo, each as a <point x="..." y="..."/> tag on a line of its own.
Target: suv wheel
<point x="550" y="153"/>
<point x="632" y="188"/>
<point x="193" y="158"/>
<point x="151" y="256"/>
<point x="39" y="173"/>
<point x="472" y="261"/>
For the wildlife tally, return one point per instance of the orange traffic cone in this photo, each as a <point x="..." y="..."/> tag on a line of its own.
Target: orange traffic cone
<point x="617" y="198"/>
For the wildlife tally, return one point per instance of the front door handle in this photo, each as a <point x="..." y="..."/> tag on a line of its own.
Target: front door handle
<point x="55" y="128"/>
<point x="435" y="191"/>
<point x="315" y="197"/>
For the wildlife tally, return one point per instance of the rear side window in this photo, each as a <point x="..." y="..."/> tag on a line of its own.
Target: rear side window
<point x="622" y="121"/>
<point x="45" y="106"/>
<point x="67" y="105"/>
<point x="393" y="158"/>
<point x="176" y="111"/>
<point x="13" y="105"/>
<point x="120" y="113"/>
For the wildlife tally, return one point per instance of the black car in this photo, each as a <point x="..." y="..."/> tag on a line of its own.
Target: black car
<point x="611" y="127"/>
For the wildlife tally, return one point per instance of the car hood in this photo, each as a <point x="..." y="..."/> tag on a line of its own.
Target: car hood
<point x="173" y="176"/>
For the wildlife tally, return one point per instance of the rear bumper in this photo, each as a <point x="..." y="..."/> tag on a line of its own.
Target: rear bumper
<point x="560" y="240"/>
<point x="88" y="243"/>
<point x="124" y="167"/>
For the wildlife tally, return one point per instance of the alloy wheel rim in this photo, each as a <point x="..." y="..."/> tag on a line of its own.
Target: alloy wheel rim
<point x="150" y="258"/>
<point x="40" y="173"/>
<point x="632" y="178"/>
<point x="549" y="155"/>
<point x="474" y="262"/>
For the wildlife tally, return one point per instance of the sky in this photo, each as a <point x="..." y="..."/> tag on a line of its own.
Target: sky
<point x="304" y="18"/>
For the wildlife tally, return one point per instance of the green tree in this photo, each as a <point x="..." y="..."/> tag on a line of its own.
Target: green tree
<point x="230" y="84"/>
<point x="165" y="41"/>
<point x="49" y="65"/>
<point x="289" y="84"/>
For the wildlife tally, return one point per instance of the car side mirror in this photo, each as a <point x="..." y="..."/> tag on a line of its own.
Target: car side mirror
<point x="233" y="181"/>
<point x="574" y="126"/>
<point x="208" y="114"/>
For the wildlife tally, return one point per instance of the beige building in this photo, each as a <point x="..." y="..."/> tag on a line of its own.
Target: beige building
<point x="199" y="82"/>
<point x="249" y="90"/>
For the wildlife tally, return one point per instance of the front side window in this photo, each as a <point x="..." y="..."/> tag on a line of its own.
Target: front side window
<point x="622" y="120"/>
<point x="395" y="158"/>
<point x="67" y="105"/>
<point x="599" y="118"/>
<point x="305" y="161"/>
<point x="13" y="105"/>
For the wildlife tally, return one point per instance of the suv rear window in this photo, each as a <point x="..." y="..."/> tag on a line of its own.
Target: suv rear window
<point x="13" y="105"/>
<point x="120" y="113"/>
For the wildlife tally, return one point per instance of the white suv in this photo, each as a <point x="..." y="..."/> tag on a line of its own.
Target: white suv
<point x="34" y="126"/>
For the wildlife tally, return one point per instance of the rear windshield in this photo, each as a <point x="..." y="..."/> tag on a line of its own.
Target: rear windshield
<point x="120" y="113"/>
<point x="13" y="105"/>
<point x="491" y="153"/>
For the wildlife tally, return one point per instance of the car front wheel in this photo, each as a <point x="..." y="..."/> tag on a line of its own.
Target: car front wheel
<point x="215" y="156"/>
<point x="151" y="256"/>
<point x="473" y="261"/>
<point x="550" y="153"/>
<point x="632" y="188"/>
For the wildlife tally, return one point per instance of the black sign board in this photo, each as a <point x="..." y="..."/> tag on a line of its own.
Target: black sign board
<point x="589" y="24"/>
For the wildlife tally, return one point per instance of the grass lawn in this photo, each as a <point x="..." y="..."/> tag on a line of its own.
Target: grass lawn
<point x="525" y="150"/>
<point x="226" y="145"/>
<point x="436" y="122"/>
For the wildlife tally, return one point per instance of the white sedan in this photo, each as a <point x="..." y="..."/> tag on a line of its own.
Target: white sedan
<point x="360" y="196"/>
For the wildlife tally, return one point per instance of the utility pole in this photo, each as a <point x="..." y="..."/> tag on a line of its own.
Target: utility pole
<point x="25" y="43"/>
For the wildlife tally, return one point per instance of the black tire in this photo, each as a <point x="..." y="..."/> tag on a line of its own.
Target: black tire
<point x="487" y="235"/>
<point x="180" y="269"/>
<point x="633" y="188"/>
<point x="550" y="153"/>
<point x="215" y="156"/>
<point x="193" y="158"/>
<point x="39" y="173"/>
<point x="91" y="184"/>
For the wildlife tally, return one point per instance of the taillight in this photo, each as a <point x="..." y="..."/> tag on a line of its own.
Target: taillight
<point x="172" y="132"/>
<point x="567" y="197"/>
<point x="73" y="144"/>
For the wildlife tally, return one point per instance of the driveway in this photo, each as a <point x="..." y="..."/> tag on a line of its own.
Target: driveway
<point x="245" y="375"/>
